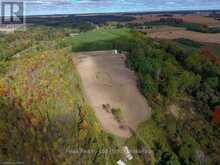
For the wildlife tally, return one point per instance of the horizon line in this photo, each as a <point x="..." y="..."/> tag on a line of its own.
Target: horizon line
<point x="130" y="12"/>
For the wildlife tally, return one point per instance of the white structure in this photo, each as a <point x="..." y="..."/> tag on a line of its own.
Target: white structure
<point x="120" y="162"/>
<point x="116" y="51"/>
<point x="127" y="153"/>
<point x="73" y="34"/>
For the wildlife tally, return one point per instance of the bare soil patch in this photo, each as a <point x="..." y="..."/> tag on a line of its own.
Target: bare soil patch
<point x="190" y="18"/>
<point x="196" y="36"/>
<point x="109" y="85"/>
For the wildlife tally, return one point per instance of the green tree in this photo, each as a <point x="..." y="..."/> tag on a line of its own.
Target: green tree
<point x="86" y="26"/>
<point x="149" y="86"/>
<point x="188" y="81"/>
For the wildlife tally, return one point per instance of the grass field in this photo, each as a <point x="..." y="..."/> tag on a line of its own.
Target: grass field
<point x="98" y="36"/>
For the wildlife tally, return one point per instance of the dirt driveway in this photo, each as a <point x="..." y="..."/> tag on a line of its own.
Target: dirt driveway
<point x="106" y="80"/>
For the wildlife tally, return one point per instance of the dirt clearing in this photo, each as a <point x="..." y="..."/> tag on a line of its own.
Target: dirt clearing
<point x="109" y="85"/>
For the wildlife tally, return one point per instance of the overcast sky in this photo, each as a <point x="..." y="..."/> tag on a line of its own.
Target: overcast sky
<point x="41" y="7"/>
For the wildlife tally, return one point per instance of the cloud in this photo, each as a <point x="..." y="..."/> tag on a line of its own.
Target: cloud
<point x="96" y="6"/>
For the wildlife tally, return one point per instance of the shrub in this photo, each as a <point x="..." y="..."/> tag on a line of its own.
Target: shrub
<point x="117" y="112"/>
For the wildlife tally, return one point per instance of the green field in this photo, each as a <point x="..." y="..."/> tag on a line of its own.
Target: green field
<point x="96" y="39"/>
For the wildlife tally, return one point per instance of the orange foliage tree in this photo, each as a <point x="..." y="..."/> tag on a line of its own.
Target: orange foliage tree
<point x="209" y="55"/>
<point x="216" y="115"/>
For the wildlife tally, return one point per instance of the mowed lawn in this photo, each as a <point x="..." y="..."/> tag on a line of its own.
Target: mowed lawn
<point x="94" y="36"/>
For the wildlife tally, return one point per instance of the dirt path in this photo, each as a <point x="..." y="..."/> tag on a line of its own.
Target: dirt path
<point x="196" y="36"/>
<point x="106" y="80"/>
